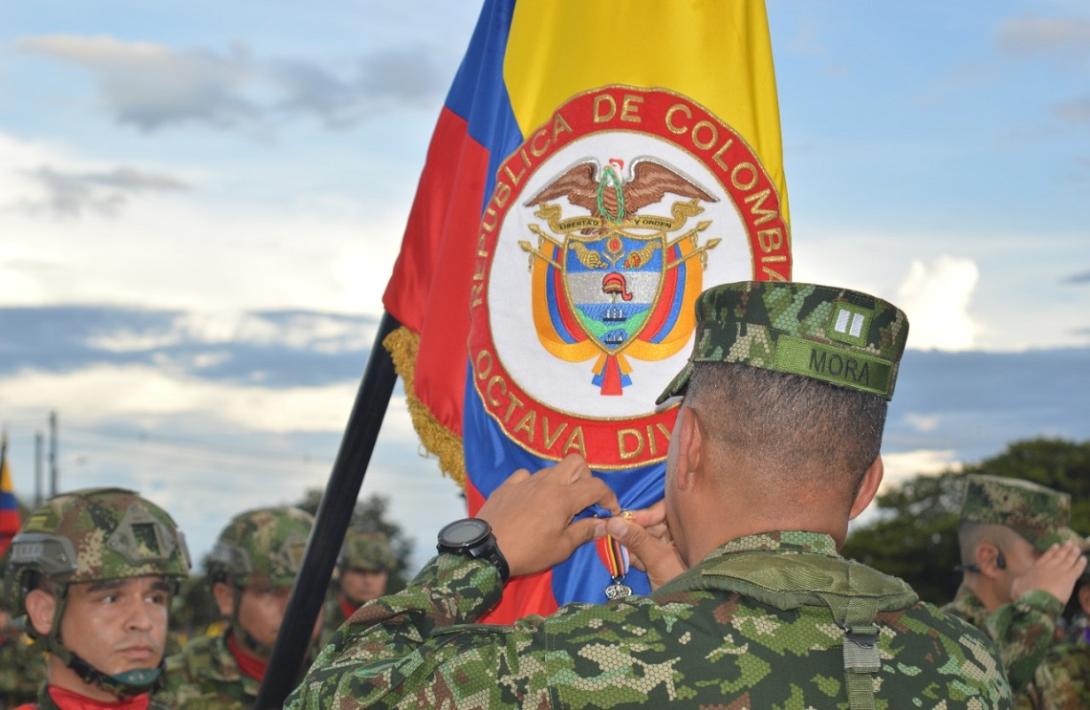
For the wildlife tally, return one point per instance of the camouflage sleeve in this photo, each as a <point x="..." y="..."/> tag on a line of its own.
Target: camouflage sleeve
<point x="395" y="650"/>
<point x="1023" y="631"/>
<point x="1062" y="681"/>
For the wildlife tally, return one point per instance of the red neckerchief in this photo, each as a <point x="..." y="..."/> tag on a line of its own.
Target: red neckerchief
<point x="347" y="608"/>
<point x="69" y="700"/>
<point x="248" y="663"/>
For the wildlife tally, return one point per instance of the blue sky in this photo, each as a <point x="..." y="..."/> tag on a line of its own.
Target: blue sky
<point x="200" y="205"/>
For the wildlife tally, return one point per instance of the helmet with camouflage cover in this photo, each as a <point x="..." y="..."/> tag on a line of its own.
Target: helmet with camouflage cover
<point x="367" y="551"/>
<point x="95" y="535"/>
<point x="99" y="534"/>
<point x="261" y="548"/>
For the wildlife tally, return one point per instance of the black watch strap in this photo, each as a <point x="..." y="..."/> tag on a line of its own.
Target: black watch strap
<point x="472" y="537"/>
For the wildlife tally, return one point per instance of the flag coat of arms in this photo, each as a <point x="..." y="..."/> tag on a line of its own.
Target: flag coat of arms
<point x="595" y="166"/>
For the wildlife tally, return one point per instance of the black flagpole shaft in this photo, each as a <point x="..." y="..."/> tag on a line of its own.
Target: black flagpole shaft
<point x="334" y="514"/>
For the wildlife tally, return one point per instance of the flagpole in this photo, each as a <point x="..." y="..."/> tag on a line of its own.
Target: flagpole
<point x="334" y="514"/>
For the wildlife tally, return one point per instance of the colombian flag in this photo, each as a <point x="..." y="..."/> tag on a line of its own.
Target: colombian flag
<point x="9" y="508"/>
<point x="629" y="153"/>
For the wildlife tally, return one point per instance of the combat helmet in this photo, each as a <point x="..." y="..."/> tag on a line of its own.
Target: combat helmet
<point x="368" y="551"/>
<point x="263" y="549"/>
<point x="95" y="535"/>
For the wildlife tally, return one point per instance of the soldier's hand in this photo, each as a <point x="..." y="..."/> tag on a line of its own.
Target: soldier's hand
<point x="648" y="540"/>
<point x="531" y="515"/>
<point x="1055" y="572"/>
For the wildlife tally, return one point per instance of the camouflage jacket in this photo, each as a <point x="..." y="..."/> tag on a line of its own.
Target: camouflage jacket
<point x="22" y="670"/>
<point x="1065" y="673"/>
<point x="1022" y="630"/>
<point x="334" y="617"/>
<point x="206" y="675"/>
<point x="694" y="648"/>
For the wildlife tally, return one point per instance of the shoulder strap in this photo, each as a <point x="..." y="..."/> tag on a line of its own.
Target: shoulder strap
<point x="853" y="593"/>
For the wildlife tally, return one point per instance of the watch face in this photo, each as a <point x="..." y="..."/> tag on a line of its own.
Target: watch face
<point x="463" y="532"/>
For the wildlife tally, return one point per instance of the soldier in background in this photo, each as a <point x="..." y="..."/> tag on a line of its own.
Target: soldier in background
<point x="1020" y="562"/>
<point x="363" y="569"/>
<point x="22" y="666"/>
<point x="252" y="569"/>
<point x="775" y="447"/>
<point x="95" y="570"/>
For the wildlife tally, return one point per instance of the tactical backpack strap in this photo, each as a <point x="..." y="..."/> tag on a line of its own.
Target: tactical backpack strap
<point x="857" y="616"/>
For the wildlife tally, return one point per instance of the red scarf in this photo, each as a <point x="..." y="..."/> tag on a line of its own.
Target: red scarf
<point x="347" y="608"/>
<point x="69" y="700"/>
<point x="248" y="663"/>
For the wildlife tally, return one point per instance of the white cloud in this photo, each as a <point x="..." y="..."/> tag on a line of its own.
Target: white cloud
<point x="1063" y="37"/>
<point x="923" y="423"/>
<point x="148" y="85"/>
<point x="904" y="465"/>
<point x="104" y="392"/>
<point x="151" y="86"/>
<point x="936" y="298"/>
<point x="168" y="252"/>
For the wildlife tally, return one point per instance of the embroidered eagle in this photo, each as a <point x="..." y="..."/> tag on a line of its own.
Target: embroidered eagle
<point x="609" y="195"/>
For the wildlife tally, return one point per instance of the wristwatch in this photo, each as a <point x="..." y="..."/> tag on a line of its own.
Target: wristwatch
<point x="472" y="537"/>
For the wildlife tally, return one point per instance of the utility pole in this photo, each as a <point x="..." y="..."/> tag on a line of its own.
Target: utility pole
<point x="53" y="474"/>
<point x="39" y="454"/>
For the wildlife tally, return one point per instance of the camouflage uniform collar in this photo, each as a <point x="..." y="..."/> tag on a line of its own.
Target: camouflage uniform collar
<point x="968" y="606"/>
<point x="779" y="541"/>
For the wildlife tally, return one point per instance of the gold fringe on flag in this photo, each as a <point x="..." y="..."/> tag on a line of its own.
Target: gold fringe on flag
<point x="438" y="440"/>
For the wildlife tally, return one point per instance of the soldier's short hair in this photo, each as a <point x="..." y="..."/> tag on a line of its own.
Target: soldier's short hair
<point x="790" y="424"/>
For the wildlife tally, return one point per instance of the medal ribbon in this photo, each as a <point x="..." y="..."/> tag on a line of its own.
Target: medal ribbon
<point x="616" y="558"/>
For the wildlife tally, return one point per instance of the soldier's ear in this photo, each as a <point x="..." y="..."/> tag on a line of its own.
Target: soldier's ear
<point x="690" y="447"/>
<point x="40" y="607"/>
<point x="987" y="560"/>
<point x="225" y="598"/>
<point x="868" y="487"/>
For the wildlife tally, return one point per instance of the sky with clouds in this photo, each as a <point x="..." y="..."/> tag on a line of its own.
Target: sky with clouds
<point x="200" y="205"/>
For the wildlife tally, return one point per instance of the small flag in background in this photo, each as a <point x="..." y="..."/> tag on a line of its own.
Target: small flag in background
<point x="596" y="165"/>
<point x="9" y="508"/>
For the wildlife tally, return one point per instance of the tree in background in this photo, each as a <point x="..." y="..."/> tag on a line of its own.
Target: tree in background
<point x="370" y="515"/>
<point x="915" y="537"/>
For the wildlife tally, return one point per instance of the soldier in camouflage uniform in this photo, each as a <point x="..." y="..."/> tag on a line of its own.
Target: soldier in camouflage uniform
<point x="94" y="571"/>
<point x="22" y="666"/>
<point x="1020" y="563"/>
<point x="1066" y="669"/>
<point x="252" y="568"/>
<point x="363" y="569"/>
<point x="775" y="448"/>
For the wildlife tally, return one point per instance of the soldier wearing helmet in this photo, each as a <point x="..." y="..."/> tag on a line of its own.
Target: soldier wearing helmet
<point x="363" y="569"/>
<point x="252" y="569"/>
<point x="94" y="571"/>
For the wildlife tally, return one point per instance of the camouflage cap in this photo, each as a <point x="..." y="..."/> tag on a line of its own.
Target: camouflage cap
<point x="1039" y="514"/>
<point x="99" y="534"/>
<point x="262" y="547"/>
<point x="368" y="551"/>
<point x="842" y="337"/>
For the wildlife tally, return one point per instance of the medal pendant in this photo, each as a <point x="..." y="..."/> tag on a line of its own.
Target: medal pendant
<point x="618" y="590"/>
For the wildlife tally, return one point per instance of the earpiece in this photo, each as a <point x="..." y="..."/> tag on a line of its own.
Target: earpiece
<point x="1000" y="560"/>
